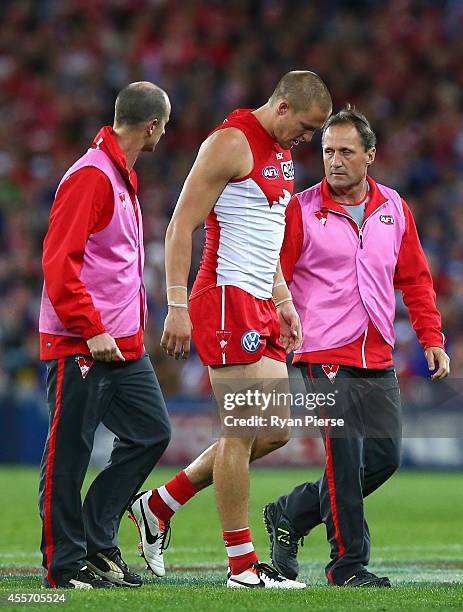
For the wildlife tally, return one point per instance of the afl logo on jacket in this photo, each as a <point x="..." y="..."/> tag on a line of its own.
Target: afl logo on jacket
<point x="387" y="219"/>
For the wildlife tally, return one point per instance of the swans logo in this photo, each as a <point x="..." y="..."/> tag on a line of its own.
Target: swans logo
<point x="84" y="363"/>
<point x="250" y="341"/>
<point x="330" y="371"/>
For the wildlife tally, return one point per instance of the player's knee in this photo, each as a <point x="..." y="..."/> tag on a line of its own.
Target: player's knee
<point x="276" y="441"/>
<point x="281" y="440"/>
<point x="235" y="445"/>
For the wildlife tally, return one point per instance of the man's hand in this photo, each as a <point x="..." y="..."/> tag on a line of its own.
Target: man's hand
<point x="290" y="327"/>
<point x="104" y="348"/>
<point x="437" y="360"/>
<point x="176" y="338"/>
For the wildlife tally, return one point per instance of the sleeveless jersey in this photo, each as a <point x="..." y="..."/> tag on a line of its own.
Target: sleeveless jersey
<point x="245" y="229"/>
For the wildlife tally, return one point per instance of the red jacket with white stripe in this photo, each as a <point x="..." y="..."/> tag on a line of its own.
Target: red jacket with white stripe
<point x="342" y="278"/>
<point x="83" y="206"/>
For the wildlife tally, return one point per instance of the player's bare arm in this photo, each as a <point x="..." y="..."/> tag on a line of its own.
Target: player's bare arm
<point x="290" y="325"/>
<point x="225" y="155"/>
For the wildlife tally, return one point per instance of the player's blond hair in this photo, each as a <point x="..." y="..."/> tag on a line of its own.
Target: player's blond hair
<point x="302" y="89"/>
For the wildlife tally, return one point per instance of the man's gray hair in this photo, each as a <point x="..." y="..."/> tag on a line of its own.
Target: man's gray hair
<point x="140" y="102"/>
<point x="349" y="114"/>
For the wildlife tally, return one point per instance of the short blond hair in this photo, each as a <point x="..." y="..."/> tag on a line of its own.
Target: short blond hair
<point x="302" y="89"/>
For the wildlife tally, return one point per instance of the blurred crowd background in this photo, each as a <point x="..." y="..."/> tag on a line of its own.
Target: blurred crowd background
<point x="62" y="63"/>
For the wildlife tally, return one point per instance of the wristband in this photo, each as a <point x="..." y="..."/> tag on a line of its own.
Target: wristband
<point x="177" y="287"/>
<point x="177" y="305"/>
<point x="280" y="302"/>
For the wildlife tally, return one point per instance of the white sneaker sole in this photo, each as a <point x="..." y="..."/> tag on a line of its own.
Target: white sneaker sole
<point x="291" y="584"/>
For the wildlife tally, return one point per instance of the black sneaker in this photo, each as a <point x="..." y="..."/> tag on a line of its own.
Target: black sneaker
<point x="367" y="579"/>
<point x="283" y="541"/>
<point x="111" y="566"/>
<point x="84" y="579"/>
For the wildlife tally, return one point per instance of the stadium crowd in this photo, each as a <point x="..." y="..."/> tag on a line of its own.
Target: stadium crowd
<point x="63" y="61"/>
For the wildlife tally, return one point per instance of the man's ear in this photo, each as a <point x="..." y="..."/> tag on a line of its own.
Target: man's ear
<point x="371" y="154"/>
<point x="282" y="107"/>
<point x="151" y="126"/>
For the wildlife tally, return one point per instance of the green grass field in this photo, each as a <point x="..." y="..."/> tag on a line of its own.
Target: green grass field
<point x="417" y="540"/>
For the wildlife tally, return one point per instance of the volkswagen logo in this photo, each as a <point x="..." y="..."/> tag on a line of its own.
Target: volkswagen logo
<point x="250" y="341"/>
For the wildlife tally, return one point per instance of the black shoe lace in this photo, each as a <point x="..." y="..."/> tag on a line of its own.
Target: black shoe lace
<point x="87" y="574"/>
<point x="294" y="544"/>
<point x="366" y="574"/>
<point x="117" y="558"/>
<point x="362" y="574"/>
<point x="269" y="571"/>
<point x="165" y="540"/>
<point x="115" y="555"/>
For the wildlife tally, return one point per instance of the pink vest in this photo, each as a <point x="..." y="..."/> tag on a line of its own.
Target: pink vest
<point x="112" y="269"/>
<point x="338" y="285"/>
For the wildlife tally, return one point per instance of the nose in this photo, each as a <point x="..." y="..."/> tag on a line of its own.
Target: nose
<point x="336" y="160"/>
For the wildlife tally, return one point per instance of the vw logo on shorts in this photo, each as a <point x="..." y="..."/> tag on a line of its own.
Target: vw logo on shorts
<point x="250" y="341"/>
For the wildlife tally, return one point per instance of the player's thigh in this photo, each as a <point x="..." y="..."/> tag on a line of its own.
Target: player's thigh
<point x="237" y="389"/>
<point x="275" y="388"/>
<point x="256" y="395"/>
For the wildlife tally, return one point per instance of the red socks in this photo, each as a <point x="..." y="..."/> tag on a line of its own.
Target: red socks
<point x="240" y="550"/>
<point x="166" y="500"/>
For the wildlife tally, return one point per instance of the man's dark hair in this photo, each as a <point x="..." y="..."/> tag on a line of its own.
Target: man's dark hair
<point x="349" y="114"/>
<point x="302" y="89"/>
<point x="140" y="102"/>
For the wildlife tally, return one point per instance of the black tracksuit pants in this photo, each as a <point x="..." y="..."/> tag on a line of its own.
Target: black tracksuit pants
<point x="360" y="457"/>
<point x="126" y="397"/>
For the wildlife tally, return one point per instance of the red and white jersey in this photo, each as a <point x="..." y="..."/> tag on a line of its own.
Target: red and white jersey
<point x="245" y="229"/>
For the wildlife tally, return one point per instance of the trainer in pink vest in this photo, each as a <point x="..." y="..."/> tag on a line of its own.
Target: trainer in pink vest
<point x="338" y="283"/>
<point x="112" y="269"/>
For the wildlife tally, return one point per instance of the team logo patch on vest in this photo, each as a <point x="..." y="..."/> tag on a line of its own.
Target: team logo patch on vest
<point x="223" y="337"/>
<point x="270" y="172"/>
<point x="287" y="167"/>
<point x="322" y="217"/>
<point x="122" y="199"/>
<point x="84" y="363"/>
<point x="330" y="371"/>
<point x="387" y="219"/>
<point x="250" y="341"/>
